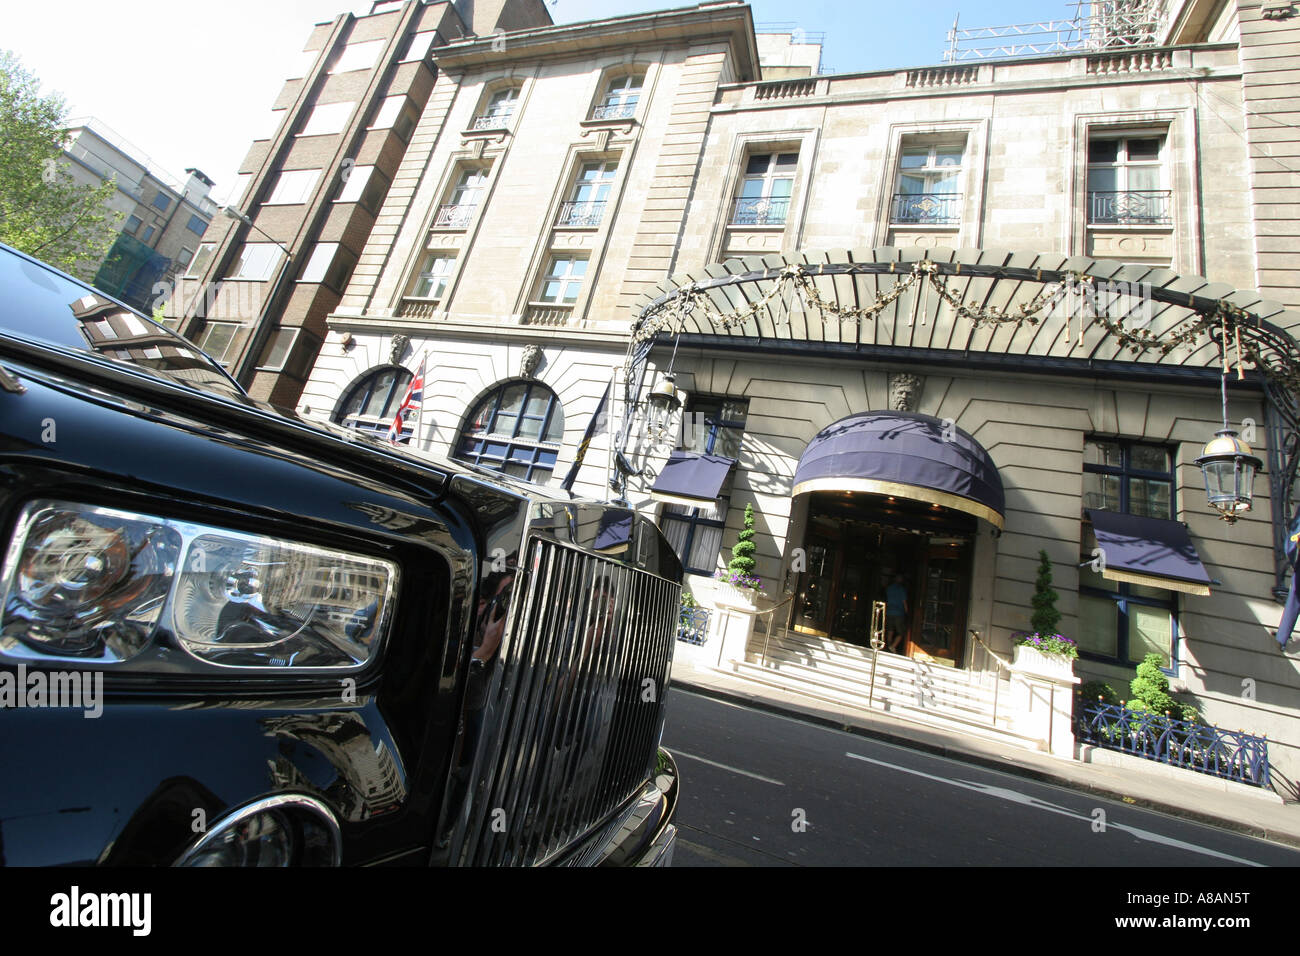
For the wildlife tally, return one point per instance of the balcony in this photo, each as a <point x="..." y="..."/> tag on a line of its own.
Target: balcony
<point x="584" y="215"/>
<point x="927" y="209"/>
<point x="1145" y="207"/>
<point x="493" y="120"/>
<point x="454" y="216"/>
<point x="413" y="308"/>
<point x="760" y="212"/>
<point x="547" y="313"/>
<point x="617" y="111"/>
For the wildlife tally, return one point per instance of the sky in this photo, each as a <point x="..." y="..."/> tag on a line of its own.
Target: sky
<point x="191" y="84"/>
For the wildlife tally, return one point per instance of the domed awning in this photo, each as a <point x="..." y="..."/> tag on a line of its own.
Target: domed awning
<point x="906" y="455"/>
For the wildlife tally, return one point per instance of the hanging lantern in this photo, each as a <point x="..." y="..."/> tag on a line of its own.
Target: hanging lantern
<point x="1229" y="469"/>
<point x="663" y="398"/>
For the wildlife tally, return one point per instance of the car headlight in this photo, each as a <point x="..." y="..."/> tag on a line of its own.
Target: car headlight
<point x="96" y="584"/>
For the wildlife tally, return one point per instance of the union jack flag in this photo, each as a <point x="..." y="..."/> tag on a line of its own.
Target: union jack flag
<point x="411" y="401"/>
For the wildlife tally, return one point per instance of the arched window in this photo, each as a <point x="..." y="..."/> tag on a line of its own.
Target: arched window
<point x="517" y="429"/>
<point x="372" y="403"/>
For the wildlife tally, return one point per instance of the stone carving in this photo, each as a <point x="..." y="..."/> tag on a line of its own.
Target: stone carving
<point x="398" y="348"/>
<point x="532" y="358"/>
<point x="905" y="391"/>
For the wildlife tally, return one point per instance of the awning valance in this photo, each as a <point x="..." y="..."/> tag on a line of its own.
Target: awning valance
<point x="615" y="532"/>
<point x="907" y="455"/>
<point x="1156" y="552"/>
<point x="692" y="479"/>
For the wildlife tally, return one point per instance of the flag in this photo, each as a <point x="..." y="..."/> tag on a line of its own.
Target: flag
<point x="411" y="401"/>
<point x="1292" y="608"/>
<point x="594" y="427"/>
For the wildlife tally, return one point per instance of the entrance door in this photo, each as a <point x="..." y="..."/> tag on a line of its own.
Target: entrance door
<point x="939" y="629"/>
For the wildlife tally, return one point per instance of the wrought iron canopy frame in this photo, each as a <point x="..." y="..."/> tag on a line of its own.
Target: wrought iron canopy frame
<point x="1203" y="312"/>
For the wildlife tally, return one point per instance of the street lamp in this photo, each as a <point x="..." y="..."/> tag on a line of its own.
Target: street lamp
<point x="1229" y="468"/>
<point x="233" y="213"/>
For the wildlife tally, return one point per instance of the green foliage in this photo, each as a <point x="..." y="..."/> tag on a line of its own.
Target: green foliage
<point x="688" y="599"/>
<point x="1090" y="691"/>
<point x="1151" y="688"/>
<point x="43" y="210"/>
<point x="1045" y="617"/>
<point x="742" y="552"/>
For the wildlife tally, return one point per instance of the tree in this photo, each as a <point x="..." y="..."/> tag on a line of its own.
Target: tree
<point x="742" y="552"/>
<point x="43" y="210"/>
<point x="1045" y="616"/>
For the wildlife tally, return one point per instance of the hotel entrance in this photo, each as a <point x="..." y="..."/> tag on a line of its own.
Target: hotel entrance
<point x="858" y="544"/>
<point x="895" y="501"/>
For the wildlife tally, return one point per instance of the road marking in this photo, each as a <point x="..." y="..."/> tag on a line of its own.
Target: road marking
<point x="1014" y="796"/>
<point x="723" y="766"/>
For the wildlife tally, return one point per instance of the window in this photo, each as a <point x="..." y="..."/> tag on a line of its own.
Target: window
<point x="1125" y="176"/>
<point x="929" y="180"/>
<point x="257" y="260"/>
<point x="516" y="430"/>
<point x="418" y="48"/>
<point x="358" y="56"/>
<point x="197" y="225"/>
<point x="293" y="187"/>
<point x="363" y="186"/>
<point x="1118" y="621"/>
<point x="711" y="426"/>
<point x="218" y="340"/>
<point x="765" y="190"/>
<point x="586" y="205"/>
<point x="392" y="113"/>
<point x="458" y="213"/>
<point x="562" y="281"/>
<point x="148" y="233"/>
<point x="372" y="404"/>
<point x="184" y="257"/>
<point x="325" y="265"/>
<point x="273" y="125"/>
<point x="303" y="64"/>
<point x="327" y="119"/>
<point x="132" y="224"/>
<point x="277" y="351"/>
<point x="620" y="99"/>
<point x="161" y="202"/>
<point x="500" y="108"/>
<point x="431" y="280"/>
<point x="201" y="259"/>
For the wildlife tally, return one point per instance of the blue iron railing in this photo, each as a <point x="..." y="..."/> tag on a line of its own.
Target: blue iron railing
<point x="693" y="625"/>
<point x="1229" y="754"/>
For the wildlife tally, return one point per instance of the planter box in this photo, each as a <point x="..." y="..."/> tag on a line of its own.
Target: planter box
<point x="1034" y="661"/>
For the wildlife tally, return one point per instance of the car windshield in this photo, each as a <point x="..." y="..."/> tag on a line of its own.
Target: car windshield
<point x="41" y="305"/>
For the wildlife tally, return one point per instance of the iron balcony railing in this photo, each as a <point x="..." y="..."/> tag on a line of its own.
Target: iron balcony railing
<point x="927" y="209"/>
<point x="586" y="678"/>
<point x="693" y="624"/>
<point x="1230" y="754"/>
<point x="1140" y="207"/>
<point x="581" y="213"/>
<point x="454" y="216"/>
<point x="614" y="112"/>
<point x="493" y="120"/>
<point x="760" y="212"/>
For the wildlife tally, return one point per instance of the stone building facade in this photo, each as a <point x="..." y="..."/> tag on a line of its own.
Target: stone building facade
<point x="564" y="185"/>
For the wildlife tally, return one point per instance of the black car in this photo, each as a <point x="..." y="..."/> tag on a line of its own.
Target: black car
<point x="231" y="636"/>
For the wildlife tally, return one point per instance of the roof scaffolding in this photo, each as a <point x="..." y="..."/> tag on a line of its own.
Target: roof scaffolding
<point x="1096" y="25"/>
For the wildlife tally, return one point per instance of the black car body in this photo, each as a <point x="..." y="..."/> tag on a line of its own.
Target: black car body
<point x="311" y="647"/>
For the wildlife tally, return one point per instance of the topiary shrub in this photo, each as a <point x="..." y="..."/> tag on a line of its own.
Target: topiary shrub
<point x="742" y="552"/>
<point x="1045" y="617"/>
<point x="1151" y="689"/>
<point x="1091" y="691"/>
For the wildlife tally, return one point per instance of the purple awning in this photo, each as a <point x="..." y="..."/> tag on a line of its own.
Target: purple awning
<point x="1156" y="552"/>
<point x="692" y="479"/>
<point x="905" y="454"/>
<point x="614" y="532"/>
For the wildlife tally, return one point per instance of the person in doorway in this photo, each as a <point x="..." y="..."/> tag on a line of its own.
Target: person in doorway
<point x="896" y="609"/>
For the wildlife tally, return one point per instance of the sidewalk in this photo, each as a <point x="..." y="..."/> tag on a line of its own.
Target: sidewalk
<point x="1143" y="783"/>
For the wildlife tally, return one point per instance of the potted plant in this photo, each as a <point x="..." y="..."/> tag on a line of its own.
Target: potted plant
<point x="739" y="581"/>
<point x="1043" y="649"/>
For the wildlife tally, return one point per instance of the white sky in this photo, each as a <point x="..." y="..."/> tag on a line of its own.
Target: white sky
<point x="192" y="83"/>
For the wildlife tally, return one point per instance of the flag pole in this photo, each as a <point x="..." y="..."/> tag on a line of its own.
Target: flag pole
<point x="421" y="371"/>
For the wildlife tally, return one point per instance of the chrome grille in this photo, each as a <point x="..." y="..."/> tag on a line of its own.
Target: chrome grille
<point x="583" y="692"/>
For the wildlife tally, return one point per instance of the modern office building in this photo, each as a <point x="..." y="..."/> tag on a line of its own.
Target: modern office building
<point x="929" y="322"/>
<point x="161" y="218"/>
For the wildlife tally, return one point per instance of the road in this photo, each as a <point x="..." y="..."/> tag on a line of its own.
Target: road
<point x="764" y="790"/>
